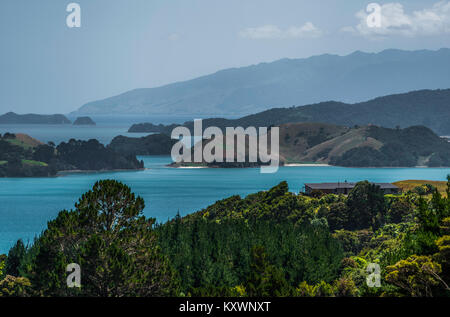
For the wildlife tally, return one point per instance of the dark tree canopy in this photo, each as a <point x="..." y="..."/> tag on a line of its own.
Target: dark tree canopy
<point x="113" y="243"/>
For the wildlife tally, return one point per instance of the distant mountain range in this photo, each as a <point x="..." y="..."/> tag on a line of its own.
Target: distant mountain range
<point x="430" y="108"/>
<point x="283" y="83"/>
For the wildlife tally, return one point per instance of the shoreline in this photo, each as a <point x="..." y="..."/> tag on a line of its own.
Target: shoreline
<point x="69" y="172"/>
<point x="309" y="165"/>
<point x="306" y="165"/>
<point x="190" y="167"/>
<point x="73" y="172"/>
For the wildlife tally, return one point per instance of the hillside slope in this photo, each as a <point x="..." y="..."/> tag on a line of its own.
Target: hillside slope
<point x="283" y="83"/>
<point x="368" y="146"/>
<point x="297" y="138"/>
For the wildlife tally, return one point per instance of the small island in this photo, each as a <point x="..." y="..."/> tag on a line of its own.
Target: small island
<point x="24" y="156"/>
<point x="152" y="128"/>
<point x="84" y="121"/>
<point x="154" y="144"/>
<point x="14" y="118"/>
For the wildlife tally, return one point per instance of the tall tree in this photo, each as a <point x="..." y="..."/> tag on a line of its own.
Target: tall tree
<point x="265" y="279"/>
<point x="112" y="242"/>
<point x="15" y="256"/>
<point x="367" y="206"/>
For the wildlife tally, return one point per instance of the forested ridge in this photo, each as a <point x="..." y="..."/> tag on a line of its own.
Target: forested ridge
<point x="271" y="243"/>
<point x="153" y="144"/>
<point x="422" y="107"/>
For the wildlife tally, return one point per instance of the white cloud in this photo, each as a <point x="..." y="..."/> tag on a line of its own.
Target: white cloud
<point x="395" y="21"/>
<point x="174" y="37"/>
<point x="308" y="30"/>
<point x="262" y="32"/>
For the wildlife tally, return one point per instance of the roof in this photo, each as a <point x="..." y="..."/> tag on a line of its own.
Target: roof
<point x="345" y="185"/>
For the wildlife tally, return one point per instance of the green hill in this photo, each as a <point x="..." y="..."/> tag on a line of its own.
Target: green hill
<point x="155" y="144"/>
<point x="368" y="146"/>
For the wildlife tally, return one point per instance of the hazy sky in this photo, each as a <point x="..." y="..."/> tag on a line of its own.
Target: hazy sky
<point x="46" y="67"/>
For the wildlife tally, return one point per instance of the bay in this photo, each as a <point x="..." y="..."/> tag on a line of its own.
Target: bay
<point x="27" y="204"/>
<point x="106" y="129"/>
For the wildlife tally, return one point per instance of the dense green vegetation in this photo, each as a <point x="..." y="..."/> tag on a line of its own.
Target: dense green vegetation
<point x="422" y="187"/>
<point x="18" y="160"/>
<point x="154" y="144"/>
<point x="272" y="243"/>
<point x="40" y="160"/>
<point x="108" y="236"/>
<point x="152" y="128"/>
<point x="215" y="257"/>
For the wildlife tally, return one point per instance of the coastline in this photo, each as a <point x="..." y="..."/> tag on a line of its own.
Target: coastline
<point x="310" y="165"/>
<point x="69" y="172"/>
<point x="72" y="172"/>
<point x="190" y="167"/>
<point x="306" y="165"/>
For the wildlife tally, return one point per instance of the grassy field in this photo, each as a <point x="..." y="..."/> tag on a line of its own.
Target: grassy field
<point x="34" y="163"/>
<point x="3" y="162"/>
<point x="24" y="141"/>
<point x="411" y="184"/>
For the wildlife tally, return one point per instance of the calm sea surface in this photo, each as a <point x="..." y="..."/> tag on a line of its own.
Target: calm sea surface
<point x="27" y="204"/>
<point x="106" y="129"/>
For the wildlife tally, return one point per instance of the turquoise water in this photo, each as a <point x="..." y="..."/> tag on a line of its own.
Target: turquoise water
<point x="26" y="204"/>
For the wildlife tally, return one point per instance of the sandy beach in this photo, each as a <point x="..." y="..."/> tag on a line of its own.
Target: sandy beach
<point x="306" y="165"/>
